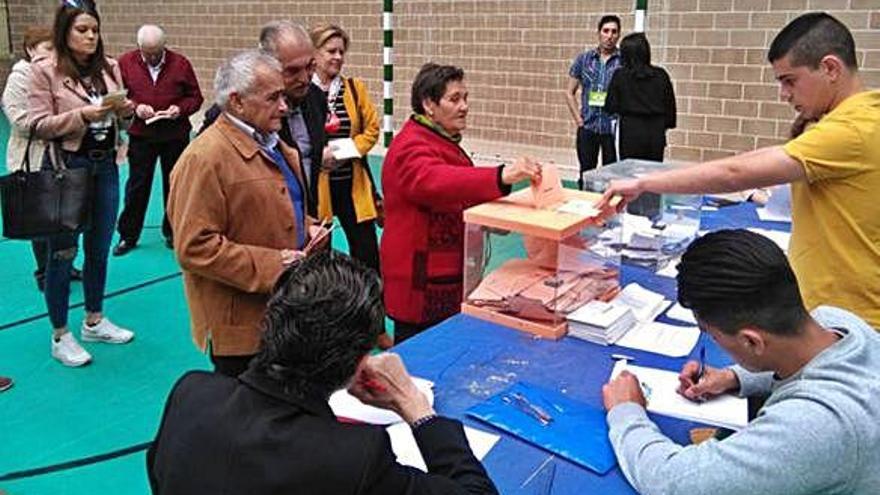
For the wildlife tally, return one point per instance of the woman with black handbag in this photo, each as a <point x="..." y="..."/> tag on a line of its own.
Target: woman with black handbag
<point x="77" y="101"/>
<point x="37" y="43"/>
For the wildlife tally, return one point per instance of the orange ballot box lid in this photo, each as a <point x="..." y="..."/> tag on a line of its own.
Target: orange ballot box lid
<point x="517" y="212"/>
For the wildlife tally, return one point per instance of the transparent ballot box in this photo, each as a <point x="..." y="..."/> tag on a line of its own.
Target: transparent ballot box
<point x="528" y="267"/>
<point x="655" y="228"/>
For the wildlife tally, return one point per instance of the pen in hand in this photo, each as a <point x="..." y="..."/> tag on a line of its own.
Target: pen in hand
<point x="701" y="370"/>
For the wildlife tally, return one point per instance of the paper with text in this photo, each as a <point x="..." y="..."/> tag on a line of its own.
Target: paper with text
<point x="726" y="411"/>
<point x="660" y="338"/>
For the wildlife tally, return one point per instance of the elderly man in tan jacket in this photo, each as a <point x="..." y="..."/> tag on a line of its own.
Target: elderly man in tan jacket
<point x="237" y="208"/>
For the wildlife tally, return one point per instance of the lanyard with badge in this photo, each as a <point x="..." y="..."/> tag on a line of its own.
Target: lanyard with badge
<point x="597" y="94"/>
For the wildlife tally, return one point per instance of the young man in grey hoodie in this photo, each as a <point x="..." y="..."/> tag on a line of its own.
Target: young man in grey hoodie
<point x="818" y="431"/>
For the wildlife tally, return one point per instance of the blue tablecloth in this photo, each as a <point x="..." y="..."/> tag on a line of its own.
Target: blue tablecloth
<point x="470" y="360"/>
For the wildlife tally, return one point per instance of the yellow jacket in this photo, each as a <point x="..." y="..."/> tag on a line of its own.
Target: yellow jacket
<point x="365" y="133"/>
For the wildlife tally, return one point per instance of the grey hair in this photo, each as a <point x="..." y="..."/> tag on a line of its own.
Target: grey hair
<point x="238" y="74"/>
<point x="148" y="31"/>
<point x="275" y="30"/>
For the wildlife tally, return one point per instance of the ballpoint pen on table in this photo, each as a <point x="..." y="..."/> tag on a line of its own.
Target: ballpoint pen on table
<point x="525" y="405"/>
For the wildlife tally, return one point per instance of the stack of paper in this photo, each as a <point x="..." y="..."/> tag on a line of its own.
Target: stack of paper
<point x="660" y="338"/>
<point x="600" y="322"/>
<point x="646" y="305"/>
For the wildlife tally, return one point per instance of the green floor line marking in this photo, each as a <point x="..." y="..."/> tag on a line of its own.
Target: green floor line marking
<point x="109" y="295"/>
<point x="85" y="461"/>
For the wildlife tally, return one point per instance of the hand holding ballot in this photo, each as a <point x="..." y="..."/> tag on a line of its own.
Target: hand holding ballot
<point x="623" y="388"/>
<point x="627" y="190"/>
<point x="119" y="103"/>
<point x="713" y="383"/>
<point x="150" y="116"/>
<point x="522" y="169"/>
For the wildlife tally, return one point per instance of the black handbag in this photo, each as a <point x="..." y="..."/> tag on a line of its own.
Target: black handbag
<point x="42" y="203"/>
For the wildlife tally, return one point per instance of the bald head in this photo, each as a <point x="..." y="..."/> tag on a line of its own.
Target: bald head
<point x="286" y="34"/>
<point x="150" y="36"/>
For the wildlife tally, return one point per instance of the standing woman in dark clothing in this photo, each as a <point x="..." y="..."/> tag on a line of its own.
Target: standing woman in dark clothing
<point x="67" y="105"/>
<point x="641" y="95"/>
<point x="345" y="188"/>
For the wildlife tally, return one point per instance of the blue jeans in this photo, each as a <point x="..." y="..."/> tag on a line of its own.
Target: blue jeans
<point x="96" y="243"/>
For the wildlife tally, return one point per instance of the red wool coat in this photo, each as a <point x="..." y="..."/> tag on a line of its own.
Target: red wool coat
<point x="428" y="181"/>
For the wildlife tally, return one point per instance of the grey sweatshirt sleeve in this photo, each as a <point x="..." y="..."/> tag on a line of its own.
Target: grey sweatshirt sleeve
<point x="797" y="447"/>
<point x="751" y="384"/>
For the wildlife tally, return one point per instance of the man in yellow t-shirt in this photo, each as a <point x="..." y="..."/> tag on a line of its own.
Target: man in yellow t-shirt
<point x="834" y="168"/>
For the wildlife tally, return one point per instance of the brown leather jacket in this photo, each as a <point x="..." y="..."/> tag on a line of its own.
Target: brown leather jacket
<point x="231" y="215"/>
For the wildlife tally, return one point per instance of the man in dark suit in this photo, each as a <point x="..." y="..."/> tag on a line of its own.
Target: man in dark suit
<point x="303" y="128"/>
<point x="270" y="430"/>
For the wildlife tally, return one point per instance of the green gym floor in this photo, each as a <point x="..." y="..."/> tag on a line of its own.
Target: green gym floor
<point x="82" y="430"/>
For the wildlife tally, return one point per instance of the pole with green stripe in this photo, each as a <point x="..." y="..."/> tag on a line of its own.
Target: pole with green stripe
<point x="388" y="69"/>
<point x="641" y="14"/>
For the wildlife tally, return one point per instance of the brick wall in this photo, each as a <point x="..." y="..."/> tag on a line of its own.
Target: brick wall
<point x="516" y="55"/>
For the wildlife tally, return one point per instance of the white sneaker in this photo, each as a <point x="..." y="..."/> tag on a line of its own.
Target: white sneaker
<point x="105" y="331"/>
<point x="68" y="351"/>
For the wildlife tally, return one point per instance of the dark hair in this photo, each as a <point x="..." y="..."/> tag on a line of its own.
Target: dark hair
<point x="736" y="278"/>
<point x="635" y="54"/>
<point x="65" y="16"/>
<point x="322" y="319"/>
<point x="33" y="36"/>
<point x="812" y="36"/>
<point x="431" y="83"/>
<point x="606" y="19"/>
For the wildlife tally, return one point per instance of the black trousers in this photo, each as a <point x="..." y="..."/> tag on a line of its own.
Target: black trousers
<point x="142" y="156"/>
<point x="231" y="365"/>
<point x="588" y="144"/>
<point x="363" y="244"/>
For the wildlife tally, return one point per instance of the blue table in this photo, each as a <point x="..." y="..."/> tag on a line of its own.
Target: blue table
<point x="470" y="360"/>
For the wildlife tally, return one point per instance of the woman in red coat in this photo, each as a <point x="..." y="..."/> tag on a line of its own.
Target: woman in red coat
<point x="428" y="181"/>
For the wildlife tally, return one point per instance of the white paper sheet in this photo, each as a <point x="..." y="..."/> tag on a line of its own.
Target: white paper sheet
<point x="407" y="451"/>
<point x="343" y="149"/>
<point x="769" y="216"/>
<point x="670" y="269"/>
<point x="345" y="405"/>
<point x="646" y="304"/>
<point x="661" y="386"/>
<point x="660" y="338"/>
<point x="780" y="238"/>
<point x="680" y="313"/>
<point x="155" y="118"/>
<point x="579" y="207"/>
